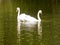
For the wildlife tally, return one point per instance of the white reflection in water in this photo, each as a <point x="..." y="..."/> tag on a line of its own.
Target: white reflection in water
<point x="28" y="26"/>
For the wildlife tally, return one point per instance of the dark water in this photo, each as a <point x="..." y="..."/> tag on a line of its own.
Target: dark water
<point x="50" y="22"/>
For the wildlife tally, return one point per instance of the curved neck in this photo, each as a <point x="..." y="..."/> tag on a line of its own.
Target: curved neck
<point x="18" y="12"/>
<point x="38" y="16"/>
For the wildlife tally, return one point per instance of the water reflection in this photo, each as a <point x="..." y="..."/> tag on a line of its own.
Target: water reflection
<point x="29" y="34"/>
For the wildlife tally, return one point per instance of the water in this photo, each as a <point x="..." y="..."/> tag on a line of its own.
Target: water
<point x="29" y="34"/>
<point x="50" y="22"/>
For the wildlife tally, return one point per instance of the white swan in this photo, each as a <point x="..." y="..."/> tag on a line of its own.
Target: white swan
<point x="23" y="17"/>
<point x="27" y="18"/>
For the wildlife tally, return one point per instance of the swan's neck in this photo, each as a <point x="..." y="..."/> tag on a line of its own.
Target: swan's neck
<point x="38" y="16"/>
<point x="18" y="12"/>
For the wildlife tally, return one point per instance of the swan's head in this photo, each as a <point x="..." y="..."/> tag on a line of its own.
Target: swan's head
<point x="18" y="9"/>
<point x="40" y="11"/>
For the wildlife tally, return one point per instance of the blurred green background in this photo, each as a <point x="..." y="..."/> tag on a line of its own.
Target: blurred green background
<point x="50" y="20"/>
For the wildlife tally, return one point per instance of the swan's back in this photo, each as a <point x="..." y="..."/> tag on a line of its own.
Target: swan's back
<point x="26" y="18"/>
<point x="29" y="18"/>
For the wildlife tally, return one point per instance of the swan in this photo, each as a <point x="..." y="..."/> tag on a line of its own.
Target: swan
<point x="24" y="17"/>
<point x="27" y="18"/>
